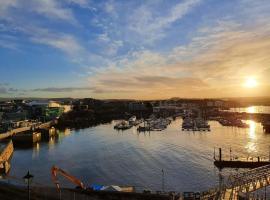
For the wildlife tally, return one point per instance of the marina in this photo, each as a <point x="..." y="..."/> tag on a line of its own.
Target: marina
<point x="141" y="155"/>
<point x="150" y="124"/>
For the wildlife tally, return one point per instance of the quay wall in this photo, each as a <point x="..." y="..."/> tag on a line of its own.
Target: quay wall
<point x="46" y="125"/>
<point x="7" y="152"/>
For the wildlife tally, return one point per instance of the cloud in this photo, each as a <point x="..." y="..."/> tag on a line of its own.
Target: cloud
<point x="64" y="42"/>
<point x="64" y="89"/>
<point x="145" y="22"/>
<point x="214" y="64"/>
<point x="110" y="46"/>
<point x="8" y="44"/>
<point x="16" y="22"/>
<point x="135" y="50"/>
<point x="3" y="90"/>
<point x="13" y="89"/>
<point x="110" y="8"/>
<point x="51" y="9"/>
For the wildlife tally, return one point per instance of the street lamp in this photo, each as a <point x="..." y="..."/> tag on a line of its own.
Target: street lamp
<point x="28" y="179"/>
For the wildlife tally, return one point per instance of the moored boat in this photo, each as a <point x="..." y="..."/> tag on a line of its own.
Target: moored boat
<point x="123" y="125"/>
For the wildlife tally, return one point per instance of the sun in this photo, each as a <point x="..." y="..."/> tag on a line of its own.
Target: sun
<point x="251" y="83"/>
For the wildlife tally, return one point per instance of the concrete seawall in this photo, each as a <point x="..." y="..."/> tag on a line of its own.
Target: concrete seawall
<point x="25" y="129"/>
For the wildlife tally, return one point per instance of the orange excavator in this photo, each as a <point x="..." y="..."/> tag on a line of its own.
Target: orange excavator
<point x="55" y="170"/>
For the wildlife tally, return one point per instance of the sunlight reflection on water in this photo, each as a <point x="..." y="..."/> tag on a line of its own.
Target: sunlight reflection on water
<point x="251" y="144"/>
<point x="251" y="109"/>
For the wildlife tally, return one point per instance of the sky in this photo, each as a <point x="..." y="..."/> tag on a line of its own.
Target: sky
<point x="134" y="49"/>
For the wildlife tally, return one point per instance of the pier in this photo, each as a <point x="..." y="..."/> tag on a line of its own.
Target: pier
<point x="241" y="186"/>
<point x="220" y="163"/>
<point x="239" y="164"/>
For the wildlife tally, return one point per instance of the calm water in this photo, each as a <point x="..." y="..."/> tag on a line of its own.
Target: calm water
<point x="252" y="109"/>
<point x="106" y="156"/>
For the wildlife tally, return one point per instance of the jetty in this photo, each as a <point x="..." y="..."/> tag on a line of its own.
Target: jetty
<point x="220" y="163"/>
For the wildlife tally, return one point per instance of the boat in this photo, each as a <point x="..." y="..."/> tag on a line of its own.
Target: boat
<point x="123" y="125"/>
<point x="188" y="124"/>
<point x="198" y="124"/>
<point x="137" y="122"/>
<point x="201" y="125"/>
<point x="112" y="188"/>
<point x="159" y="124"/>
<point x="132" y="120"/>
<point x="233" y="122"/>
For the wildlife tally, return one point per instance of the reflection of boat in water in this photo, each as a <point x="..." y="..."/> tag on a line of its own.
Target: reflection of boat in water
<point x="5" y="156"/>
<point x="143" y="128"/>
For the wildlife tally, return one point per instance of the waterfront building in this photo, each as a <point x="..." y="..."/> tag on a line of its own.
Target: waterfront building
<point x="46" y="110"/>
<point x="136" y="106"/>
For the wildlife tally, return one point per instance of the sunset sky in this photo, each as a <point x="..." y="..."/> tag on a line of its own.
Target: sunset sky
<point x="140" y="49"/>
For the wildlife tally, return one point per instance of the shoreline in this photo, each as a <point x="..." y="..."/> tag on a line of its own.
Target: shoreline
<point x="13" y="192"/>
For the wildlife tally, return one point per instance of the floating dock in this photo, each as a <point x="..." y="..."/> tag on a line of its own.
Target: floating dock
<point x="239" y="164"/>
<point x="220" y="163"/>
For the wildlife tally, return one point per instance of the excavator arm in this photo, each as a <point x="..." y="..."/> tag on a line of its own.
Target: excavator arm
<point x="74" y="180"/>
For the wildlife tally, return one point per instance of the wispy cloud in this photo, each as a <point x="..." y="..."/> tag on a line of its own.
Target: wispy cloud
<point x="3" y="90"/>
<point x="48" y="8"/>
<point x="145" y="22"/>
<point x="64" y="42"/>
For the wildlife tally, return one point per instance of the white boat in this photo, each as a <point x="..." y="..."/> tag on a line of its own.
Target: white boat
<point x="132" y="120"/>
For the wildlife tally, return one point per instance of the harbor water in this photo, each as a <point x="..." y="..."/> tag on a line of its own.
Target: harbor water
<point x="252" y="109"/>
<point x="103" y="155"/>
